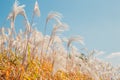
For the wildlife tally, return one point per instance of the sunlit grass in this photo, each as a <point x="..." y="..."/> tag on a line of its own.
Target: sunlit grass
<point x="11" y="68"/>
<point x="32" y="55"/>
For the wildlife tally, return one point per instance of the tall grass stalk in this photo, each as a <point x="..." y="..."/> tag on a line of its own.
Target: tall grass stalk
<point x="31" y="55"/>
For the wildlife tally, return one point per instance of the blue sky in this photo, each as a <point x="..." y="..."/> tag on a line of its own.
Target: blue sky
<point x="98" y="21"/>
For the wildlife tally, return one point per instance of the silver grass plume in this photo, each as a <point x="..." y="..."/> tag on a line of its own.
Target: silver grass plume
<point x="36" y="9"/>
<point x="75" y="39"/>
<point x="70" y="40"/>
<point x="16" y="11"/>
<point x="53" y="15"/>
<point x="36" y="12"/>
<point x="60" y="27"/>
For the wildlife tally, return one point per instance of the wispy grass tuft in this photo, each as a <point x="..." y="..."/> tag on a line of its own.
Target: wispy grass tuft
<point x="32" y="55"/>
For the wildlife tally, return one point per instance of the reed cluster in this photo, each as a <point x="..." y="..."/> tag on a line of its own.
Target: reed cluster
<point x="32" y="55"/>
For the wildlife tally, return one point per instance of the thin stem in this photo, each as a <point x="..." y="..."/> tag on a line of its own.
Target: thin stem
<point x="43" y="39"/>
<point x="33" y="15"/>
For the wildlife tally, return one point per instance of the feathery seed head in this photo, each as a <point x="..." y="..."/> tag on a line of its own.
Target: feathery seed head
<point x="16" y="11"/>
<point x="75" y="38"/>
<point x="59" y="28"/>
<point x="36" y="9"/>
<point x="54" y="15"/>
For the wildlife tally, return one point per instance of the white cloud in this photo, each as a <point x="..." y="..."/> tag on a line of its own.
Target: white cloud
<point x="114" y="55"/>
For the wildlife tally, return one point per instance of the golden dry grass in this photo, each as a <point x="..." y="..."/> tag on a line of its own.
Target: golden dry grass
<point x="11" y="68"/>
<point x="32" y="55"/>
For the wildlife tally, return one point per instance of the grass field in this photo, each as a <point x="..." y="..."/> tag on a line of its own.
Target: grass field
<point x="33" y="55"/>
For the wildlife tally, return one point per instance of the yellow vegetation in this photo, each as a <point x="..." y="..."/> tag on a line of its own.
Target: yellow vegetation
<point x="11" y="68"/>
